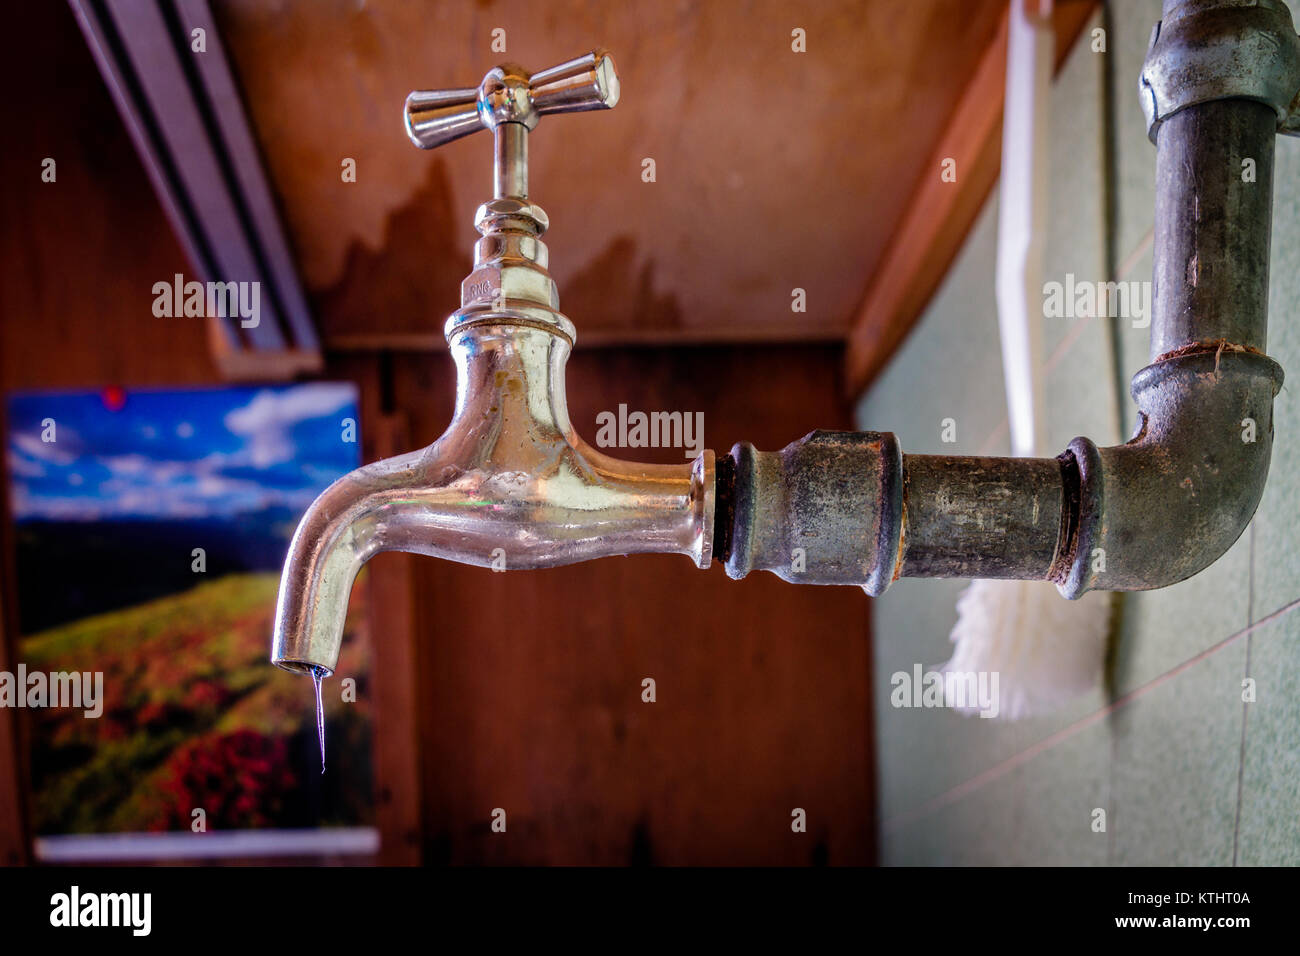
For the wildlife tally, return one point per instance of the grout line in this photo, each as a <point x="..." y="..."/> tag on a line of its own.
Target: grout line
<point x="1064" y="346"/>
<point x="1083" y="723"/>
<point x="1129" y="264"/>
<point x="1245" y="707"/>
<point x="1111" y="761"/>
<point x="1076" y="331"/>
<point x="1066" y="343"/>
<point x="1133" y="258"/>
<point x="995" y="438"/>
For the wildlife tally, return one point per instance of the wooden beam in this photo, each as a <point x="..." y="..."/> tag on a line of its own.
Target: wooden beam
<point x="238" y="364"/>
<point x="186" y="120"/>
<point x="723" y="336"/>
<point x="236" y="138"/>
<point x="941" y="214"/>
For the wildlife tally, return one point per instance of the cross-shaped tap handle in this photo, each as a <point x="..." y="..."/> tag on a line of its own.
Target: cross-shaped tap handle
<point x="510" y="101"/>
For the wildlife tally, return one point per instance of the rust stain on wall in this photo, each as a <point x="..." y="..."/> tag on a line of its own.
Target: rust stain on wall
<point x="412" y="281"/>
<point x="616" y="291"/>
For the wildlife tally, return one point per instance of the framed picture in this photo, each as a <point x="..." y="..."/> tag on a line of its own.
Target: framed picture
<point x="150" y="528"/>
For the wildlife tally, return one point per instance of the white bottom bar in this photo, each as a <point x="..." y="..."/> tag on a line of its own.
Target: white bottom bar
<point x="125" y="847"/>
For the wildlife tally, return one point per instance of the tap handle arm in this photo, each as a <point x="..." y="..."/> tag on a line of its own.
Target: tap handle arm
<point x="509" y="94"/>
<point x="587" y="83"/>
<point x="435" y="117"/>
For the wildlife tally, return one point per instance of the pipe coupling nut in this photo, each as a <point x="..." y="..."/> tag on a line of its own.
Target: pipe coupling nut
<point x="827" y="509"/>
<point x="1206" y="50"/>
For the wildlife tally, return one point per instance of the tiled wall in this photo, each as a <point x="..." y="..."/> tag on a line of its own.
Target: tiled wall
<point x="1186" y="771"/>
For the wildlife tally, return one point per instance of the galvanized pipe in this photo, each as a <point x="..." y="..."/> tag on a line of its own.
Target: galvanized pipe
<point x="1220" y="80"/>
<point x="1214" y="205"/>
<point x="981" y="517"/>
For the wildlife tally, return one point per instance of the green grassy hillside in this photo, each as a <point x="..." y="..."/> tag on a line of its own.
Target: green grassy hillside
<point x="195" y="717"/>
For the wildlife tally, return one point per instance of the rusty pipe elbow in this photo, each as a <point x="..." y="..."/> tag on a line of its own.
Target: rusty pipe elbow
<point x="1173" y="499"/>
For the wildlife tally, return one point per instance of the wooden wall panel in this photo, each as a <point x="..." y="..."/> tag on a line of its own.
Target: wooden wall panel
<point x="390" y="620"/>
<point x="79" y="256"/>
<point x="527" y="686"/>
<point x="78" y="259"/>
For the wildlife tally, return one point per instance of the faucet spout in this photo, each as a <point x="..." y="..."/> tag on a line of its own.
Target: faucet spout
<point x="509" y="486"/>
<point x="343" y="527"/>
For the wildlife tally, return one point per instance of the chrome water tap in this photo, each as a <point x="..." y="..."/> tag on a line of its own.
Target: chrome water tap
<point x="509" y="485"/>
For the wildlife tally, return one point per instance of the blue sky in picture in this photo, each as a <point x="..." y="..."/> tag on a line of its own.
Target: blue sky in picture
<point x="177" y="454"/>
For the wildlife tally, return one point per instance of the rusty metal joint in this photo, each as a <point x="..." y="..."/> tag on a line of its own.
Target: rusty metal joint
<point x="1179" y="493"/>
<point x="1207" y="50"/>
<point x="827" y="509"/>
